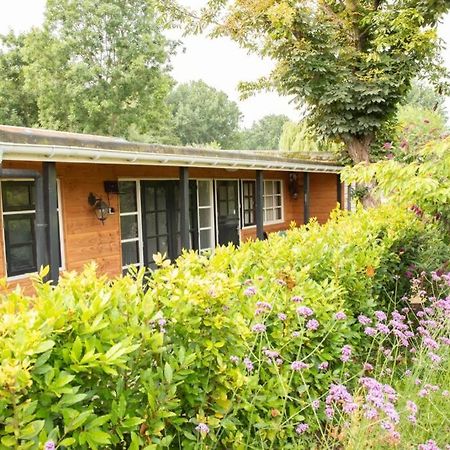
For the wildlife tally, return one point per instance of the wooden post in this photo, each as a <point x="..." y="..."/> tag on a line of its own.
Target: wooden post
<point x="339" y="191"/>
<point x="306" y="197"/>
<point x="184" y="208"/>
<point x="51" y="218"/>
<point x="259" y="205"/>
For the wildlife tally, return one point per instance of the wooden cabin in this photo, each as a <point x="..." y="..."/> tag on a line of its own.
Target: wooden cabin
<point x="68" y="199"/>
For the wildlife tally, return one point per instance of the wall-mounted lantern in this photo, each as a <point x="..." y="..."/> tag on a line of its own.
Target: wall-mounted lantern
<point x="100" y="207"/>
<point x="293" y="185"/>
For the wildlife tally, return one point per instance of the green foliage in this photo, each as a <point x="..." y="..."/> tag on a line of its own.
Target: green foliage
<point x="418" y="179"/>
<point x="95" y="67"/>
<point x="351" y="62"/>
<point x="416" y="126"/>
<point x="17" y="107"/>
<point x="263" y="134"/>
<point x="300" y="137"/>
<point x="423" y="96"/>
<point x="202" y="114"/>
<point x="139" y="363"/>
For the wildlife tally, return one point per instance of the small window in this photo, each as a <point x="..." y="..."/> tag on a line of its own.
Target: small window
<point x="130" y="224"/>
<point x="19" y="210"/>
<point x="248" y="203"/>
<point x="273" y="201"/>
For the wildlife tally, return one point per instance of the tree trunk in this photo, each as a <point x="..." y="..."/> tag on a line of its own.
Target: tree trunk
<point x="358" y="148"/>
<point x="359" y="151"/>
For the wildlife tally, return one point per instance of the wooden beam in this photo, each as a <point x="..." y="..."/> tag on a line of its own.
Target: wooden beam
<point x="184" y="208"/>
<point x="259" y="205"/>
<point x="51" y="218"/>
<point x="306" y="197"/>
<point x="339" y="191"/>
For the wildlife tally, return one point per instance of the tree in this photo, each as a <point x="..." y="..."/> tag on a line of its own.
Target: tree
<point x="424" y="96"/>
<point x="202" y="114"/>
<point x="17" y="107"/>
<point x="352" y="62"/>
<point x="300" y="137"/>
<point x="263" y="134"/>
<point x="99" y="66"/>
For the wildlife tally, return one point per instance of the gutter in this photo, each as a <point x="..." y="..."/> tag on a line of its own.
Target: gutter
<point x="73" y="154"/>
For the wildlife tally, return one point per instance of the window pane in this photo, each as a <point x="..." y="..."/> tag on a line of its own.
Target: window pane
<point x="127" y="191"/>
<point x="18" y="195"/>
<point x="269" y="215"/>
<point x="130" y="252"/>
<point x="268" y="188"/>
<point x="205" y="239"/>
<point x="205" y="217"/>
<point x="204" y="193"/>
<point x="19" y="229"/>
<point x="160" y="197"/>
<point x="152" y="247"/>
<point x="278" y="200"/>
<point x="277" y="189"/>
<point x="278" y="214"/>
<point x="128" y="227"/>
<point x="162" y="223"/>
<point x="163" y="246"/>
<point x="149" y="198"/>
<point x="21" y="259"/>
<point x="268" y="202"/>
<point x="150" y="224"/>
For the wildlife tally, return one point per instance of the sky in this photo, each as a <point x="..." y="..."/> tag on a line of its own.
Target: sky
<point x="219" y="62"/>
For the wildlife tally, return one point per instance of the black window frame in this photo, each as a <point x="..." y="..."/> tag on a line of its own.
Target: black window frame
<point x="251" y="196"/>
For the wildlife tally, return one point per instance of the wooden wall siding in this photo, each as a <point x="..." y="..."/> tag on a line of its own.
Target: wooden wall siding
<point x="86" y="239"/>
<point x="323" y="195"/>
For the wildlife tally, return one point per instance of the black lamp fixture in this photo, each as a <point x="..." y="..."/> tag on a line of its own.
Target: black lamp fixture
<point x="293" y="185"/>
<point x="101" y="208"/>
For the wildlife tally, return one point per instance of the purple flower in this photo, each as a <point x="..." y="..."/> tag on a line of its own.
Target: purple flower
<point x="423" y="393"/>
<point x="380" y="315"/>
<point x="282" y="316"/>
<point x="430" y="343"/>
<point x="370" y="331"/>
<point x="436" y="359"/>
<point x="387" y="145"/>
<point x="298" y="365"/>
<point x="371" y="413"/>
<point x="382" y="328"/>
<point x="248" y="364"/>
<point x="202" y="428"/>
<point x="295" y="334"/>
<point x="329" y="412"/>
<point x="49" y="445"/>
<point x="297" y="299"/>
<point x="312" y="324"/>
<point x="367" y="367"/>
<point x="271" y="354"/>
<point x="364" y="320"/>
<point x="315" y="405"/>
<point x="411" y="407"/>
<point x="340" y="315"/>
<point x="234" y="359"/>
<point x="301" y="428"/>
<point x="323" y="366"/>
<point x="264" y="306"/>
<point x="346" y="353"/>
<point x="250" y="291"/>
<point x="259" y="328"/>
<point x="304" y="311"/>
<point x="445" y="393"/>
<point x="429" y="445"/>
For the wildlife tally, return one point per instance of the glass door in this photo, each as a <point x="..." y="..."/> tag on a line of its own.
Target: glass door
<point x="227" y="211"/>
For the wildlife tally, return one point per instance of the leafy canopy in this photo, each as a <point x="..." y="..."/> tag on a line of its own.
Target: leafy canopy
<point x="202" y="115"/>
<point x="99" y="66"/>
<point x="263" y="134"/>
<point x="351" y="62"/>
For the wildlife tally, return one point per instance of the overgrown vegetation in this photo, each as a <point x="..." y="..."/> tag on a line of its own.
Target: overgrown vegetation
<point x="220" y="351"/>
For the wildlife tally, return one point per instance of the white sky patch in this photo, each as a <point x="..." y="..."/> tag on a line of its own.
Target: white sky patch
<point x="221" y="63"/>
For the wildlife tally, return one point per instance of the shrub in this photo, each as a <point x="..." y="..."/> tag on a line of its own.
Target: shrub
<point x="227" y="350"/>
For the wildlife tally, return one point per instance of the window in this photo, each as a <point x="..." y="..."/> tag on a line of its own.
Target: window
<point x="130" y="224"/>
<point x="205" y="214"/>
<point x="18" y="206"/>
<point x="273" y="201"/>
<point x="272" y="198"/>
<point x="248" y="203"/>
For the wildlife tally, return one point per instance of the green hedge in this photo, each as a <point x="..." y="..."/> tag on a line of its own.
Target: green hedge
<point x="140" y="363"/>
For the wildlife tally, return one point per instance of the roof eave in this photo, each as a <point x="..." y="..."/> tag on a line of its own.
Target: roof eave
<point x="72" y="154"/>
